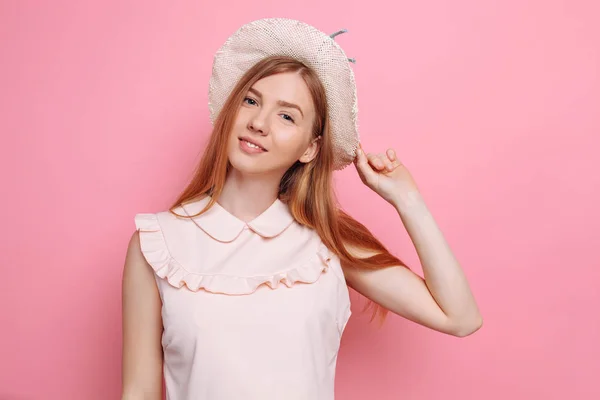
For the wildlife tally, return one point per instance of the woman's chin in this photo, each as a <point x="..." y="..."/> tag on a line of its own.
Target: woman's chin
<point x="247" y="166"/>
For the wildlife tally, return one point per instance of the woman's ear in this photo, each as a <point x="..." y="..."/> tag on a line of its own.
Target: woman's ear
<point x="312" y="150"/>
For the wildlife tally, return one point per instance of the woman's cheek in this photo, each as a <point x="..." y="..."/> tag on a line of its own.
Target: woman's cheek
<point x="288" y="141"/>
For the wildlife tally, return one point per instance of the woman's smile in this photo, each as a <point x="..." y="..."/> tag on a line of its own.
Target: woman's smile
<point x="250" y="148"/>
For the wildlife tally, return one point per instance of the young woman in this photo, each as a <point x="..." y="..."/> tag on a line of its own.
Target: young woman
<point x="240" y="289"/>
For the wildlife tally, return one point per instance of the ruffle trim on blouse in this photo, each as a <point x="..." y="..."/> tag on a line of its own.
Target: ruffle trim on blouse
<point x="154" y="249"/>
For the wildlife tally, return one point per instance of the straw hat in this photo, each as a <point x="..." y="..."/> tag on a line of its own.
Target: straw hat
<point x="317" y="50"/>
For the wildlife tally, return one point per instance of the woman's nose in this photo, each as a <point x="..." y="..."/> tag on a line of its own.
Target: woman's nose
<point x="258" y="122"/>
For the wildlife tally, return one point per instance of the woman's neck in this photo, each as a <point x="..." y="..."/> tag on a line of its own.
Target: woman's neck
<point x="247" y="197"/>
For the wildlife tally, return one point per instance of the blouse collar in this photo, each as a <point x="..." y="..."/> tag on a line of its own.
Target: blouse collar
<point x="223" y="226"/>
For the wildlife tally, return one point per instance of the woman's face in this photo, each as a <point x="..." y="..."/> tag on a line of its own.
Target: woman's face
<point x="277" y="114"/>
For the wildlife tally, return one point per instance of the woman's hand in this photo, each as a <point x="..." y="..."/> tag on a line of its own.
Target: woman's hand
<point x="385" y="174"/>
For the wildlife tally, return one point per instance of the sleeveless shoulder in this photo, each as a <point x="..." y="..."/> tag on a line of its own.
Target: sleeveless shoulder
<point x="154" y="245"/>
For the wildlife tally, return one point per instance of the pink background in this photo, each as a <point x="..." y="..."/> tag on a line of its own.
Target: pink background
<point x="494" y="106"/>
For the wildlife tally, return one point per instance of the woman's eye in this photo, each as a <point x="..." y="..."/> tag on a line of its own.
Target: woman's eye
<point x="250" y="101"/>
<point x="289" y="118"/>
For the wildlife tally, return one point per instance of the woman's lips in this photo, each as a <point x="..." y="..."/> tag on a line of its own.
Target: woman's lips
<point x="248" y="148"/>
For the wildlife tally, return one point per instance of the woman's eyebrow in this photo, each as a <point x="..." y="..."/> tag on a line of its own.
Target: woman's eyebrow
<point x="279" y="102"/>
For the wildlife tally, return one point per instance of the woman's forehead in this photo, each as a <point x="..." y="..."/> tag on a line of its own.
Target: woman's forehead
<point x="285" y="87"/>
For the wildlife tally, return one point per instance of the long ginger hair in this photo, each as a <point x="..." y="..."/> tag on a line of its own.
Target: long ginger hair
<point x="306" y="188"/>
